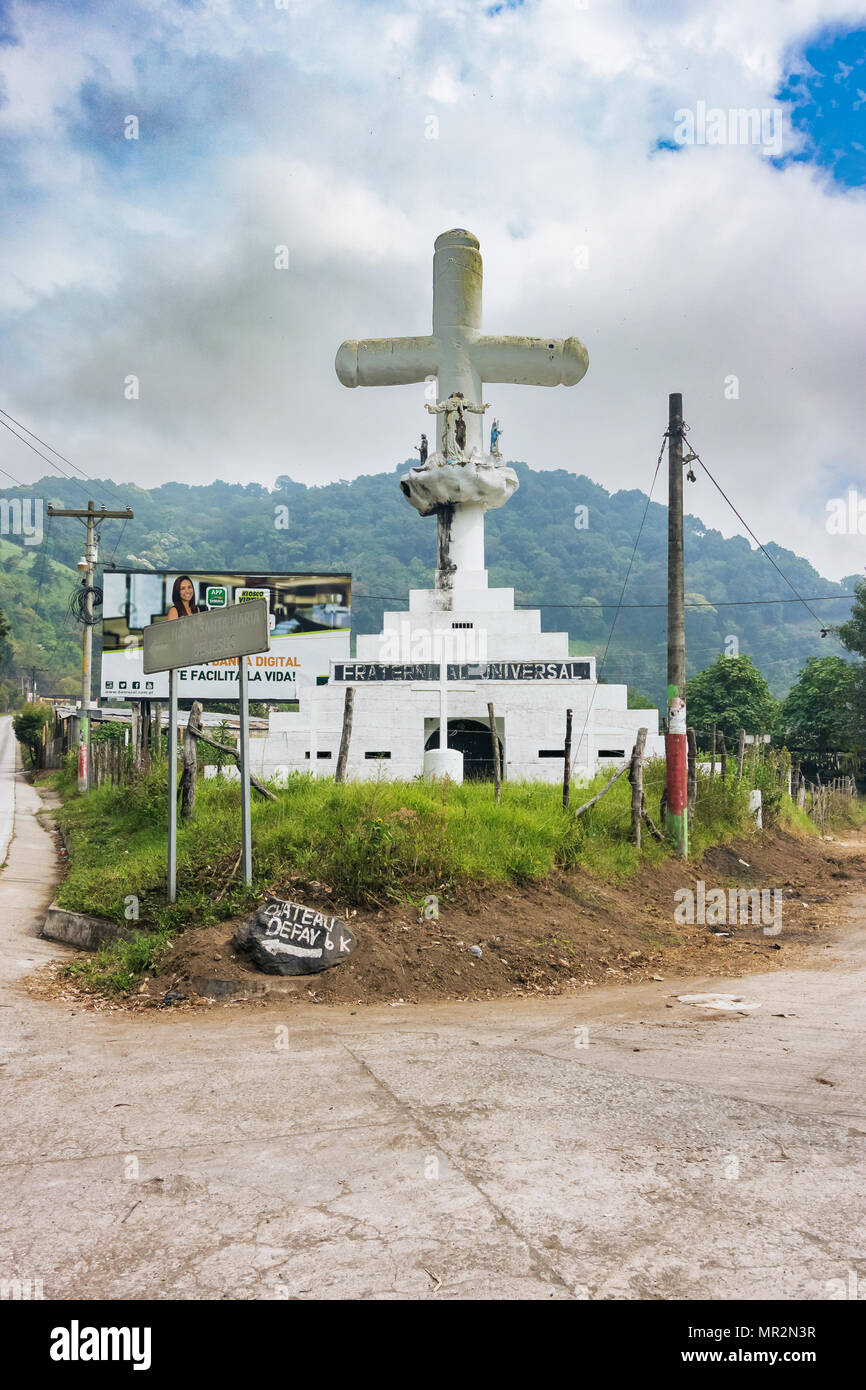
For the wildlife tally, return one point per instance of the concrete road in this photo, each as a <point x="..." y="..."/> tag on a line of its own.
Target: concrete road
<point x="455" y="1151"/>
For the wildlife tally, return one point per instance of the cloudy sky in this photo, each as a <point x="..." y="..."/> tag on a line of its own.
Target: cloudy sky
<point x="352" y="133"/>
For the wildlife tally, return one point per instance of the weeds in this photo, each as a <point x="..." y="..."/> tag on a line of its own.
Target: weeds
<point x="116" y="967"/>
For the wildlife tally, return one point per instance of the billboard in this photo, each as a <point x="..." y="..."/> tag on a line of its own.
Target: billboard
<point x="308" y="615"/>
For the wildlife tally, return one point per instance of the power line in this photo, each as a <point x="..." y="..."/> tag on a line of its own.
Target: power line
<point x="630" y="564"/>
<point x="15" y="480"/>
<point x="45" y="444"/>
<point x="117" y="542"/>
<point x="805" y="602"/>
<point x="48" y="460"/>
<point x="596" y="603"/>
<point x="600" y="669"/>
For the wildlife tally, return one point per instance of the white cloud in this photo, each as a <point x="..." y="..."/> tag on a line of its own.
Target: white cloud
<point x="702" y="263"/>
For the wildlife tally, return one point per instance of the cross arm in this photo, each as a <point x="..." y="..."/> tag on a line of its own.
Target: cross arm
<point x="386" y="361"/>
<point x="530" y="361"/>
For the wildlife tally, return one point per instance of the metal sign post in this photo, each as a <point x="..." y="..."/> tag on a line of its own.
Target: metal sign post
<point x="172" y="789"/>
<point x="239" y="631"/>
<point x="246" y="831"/>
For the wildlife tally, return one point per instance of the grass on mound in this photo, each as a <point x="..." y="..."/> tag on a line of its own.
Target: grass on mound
<point x="371" y="842"/>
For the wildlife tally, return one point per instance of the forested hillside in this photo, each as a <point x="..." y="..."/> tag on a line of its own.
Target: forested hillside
<point x="573" y="573"/>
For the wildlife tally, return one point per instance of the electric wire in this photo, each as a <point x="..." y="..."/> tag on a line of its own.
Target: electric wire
<point x="596" y="603"/>
<point x="46" y="445"/>
<point x="743" y="522"/>
<point x="43" y="442"/>
<point x="49" y="461"/>
<point x="116" y="544"/>
<point x="600" y="669"/>
<point x="14" y="480"/>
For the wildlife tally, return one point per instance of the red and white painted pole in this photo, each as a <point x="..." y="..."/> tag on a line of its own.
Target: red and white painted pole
<point x="676" y="745"/>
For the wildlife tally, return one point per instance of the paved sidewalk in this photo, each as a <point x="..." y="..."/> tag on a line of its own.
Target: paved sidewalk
<point x="7" y="784"/>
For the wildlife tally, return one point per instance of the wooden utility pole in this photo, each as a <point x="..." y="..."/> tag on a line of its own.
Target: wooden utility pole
<point x="34" y="672"/>
<point x="676" y="804"/>
<point x="92" y="517"/>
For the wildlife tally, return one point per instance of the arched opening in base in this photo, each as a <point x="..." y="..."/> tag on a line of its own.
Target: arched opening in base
<point x="470" y="737"/>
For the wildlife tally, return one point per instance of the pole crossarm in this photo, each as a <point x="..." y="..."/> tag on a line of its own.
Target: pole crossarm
<point x="97" y="513"/>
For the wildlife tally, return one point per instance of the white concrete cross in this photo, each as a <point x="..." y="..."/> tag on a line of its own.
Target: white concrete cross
<point x="462" y="358"/>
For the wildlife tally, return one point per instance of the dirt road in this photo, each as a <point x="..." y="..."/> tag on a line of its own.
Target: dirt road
<point x="450" y="1151"/>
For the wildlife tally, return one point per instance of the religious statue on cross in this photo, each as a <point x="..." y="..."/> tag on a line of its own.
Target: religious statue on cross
<point x="454" y="410"/>
<point x="495" y="436"/>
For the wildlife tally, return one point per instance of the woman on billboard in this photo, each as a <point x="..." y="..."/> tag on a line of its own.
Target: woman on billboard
<point x="183" y="598"/>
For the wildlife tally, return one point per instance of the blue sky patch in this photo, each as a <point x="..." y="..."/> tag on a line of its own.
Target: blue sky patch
<point x="825" y="91"/>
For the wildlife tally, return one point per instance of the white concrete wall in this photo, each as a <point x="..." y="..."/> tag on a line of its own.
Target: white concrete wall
<point x="391" y="718"/>
<point x="398" y="716"/>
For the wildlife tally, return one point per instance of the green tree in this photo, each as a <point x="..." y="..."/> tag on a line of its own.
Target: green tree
<point x="852" y="634"/>
<point x="732" y="694"/>
<point x="28" y="725"/>
<point x="638" y="700"/>
<point x="818" y="714"/>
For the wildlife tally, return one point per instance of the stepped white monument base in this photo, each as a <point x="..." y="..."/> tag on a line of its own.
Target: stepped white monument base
<point x="496" y="654"/>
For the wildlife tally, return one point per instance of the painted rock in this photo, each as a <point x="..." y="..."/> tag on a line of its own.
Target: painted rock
<point x="285" y="938"/>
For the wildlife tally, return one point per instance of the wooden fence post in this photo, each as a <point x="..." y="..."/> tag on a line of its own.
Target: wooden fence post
<point x="635" y="776"/>
<point x="345" y="736"/>
<point x="723" y="755"/>
<point x="692" y="776"/>
<point x="146" y="721"/>
<point x="741" y="752"/>
<point x="190" y="763"/>
<point x="566" y="771"/>
<point x="713" y="757"/>
<point x="497" y="769"/>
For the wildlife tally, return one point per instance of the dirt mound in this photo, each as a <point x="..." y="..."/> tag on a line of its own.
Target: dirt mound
<point x="568" y="932"/>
